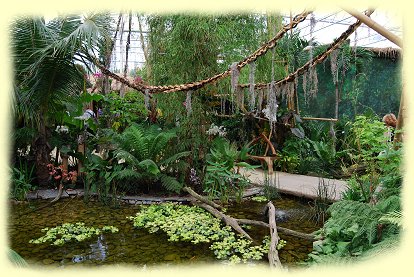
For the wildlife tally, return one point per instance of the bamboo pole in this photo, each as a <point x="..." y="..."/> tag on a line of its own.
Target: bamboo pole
<point x="320" y="119"/>
<point x="375" y="26"/>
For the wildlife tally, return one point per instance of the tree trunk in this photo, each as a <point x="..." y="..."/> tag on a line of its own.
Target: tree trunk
<point x="42" y="153"/>
<point x="144" y="48"/>
<point x="110" y="49"/>
<point x="122" y="91"/>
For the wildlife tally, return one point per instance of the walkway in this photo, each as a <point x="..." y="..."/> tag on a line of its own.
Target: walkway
<point x="298" y="185"/>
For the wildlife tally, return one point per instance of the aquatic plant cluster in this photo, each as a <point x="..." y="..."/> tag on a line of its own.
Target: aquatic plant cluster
<point x="193" y="224"/>
<point x="259" y="198"/>
<point x="59" y="235"/>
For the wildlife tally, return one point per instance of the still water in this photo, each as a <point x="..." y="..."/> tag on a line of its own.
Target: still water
<point x="136" y="246"/>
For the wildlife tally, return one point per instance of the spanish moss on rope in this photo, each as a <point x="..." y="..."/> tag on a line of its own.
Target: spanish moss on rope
<point x="188" y="102"/>
<point x="252" y="93"/>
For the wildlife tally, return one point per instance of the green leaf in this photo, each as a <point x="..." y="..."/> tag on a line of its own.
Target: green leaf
<point x="150" y="166"/>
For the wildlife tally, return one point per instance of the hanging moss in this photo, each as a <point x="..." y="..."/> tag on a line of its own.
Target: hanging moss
<point x="252" y="92"/>
<point x="334" y="65"/>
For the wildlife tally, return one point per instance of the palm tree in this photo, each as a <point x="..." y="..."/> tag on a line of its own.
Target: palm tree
<point x="46" y="77"/>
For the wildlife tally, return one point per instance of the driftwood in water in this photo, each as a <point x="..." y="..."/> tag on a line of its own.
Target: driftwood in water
<point x="48" y="204"/>
<point x="230" y="221"/>
<point x="273" y="255"/>
<point x="282" y="230"/>
<point x="201" y="198"/>
<point x="212" y="208"/>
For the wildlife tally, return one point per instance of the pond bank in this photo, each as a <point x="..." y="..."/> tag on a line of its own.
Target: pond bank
<point x="287" y="183"/>
<point x="45" y="194"/>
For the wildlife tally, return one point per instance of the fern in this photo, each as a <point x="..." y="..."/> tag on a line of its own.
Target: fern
<point x="170" y="183"/>
<point x="388" y="244"/>
<point x="390" y="204"/>
<point x="394" y="218"/>
<point x="355" y="227"/>
<point x="144" y="150"/>
<point x="174" y="158"/>
<point x="128" y="174"/>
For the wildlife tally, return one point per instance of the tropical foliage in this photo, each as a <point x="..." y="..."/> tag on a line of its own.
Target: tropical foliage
<point x="222" y="173"/>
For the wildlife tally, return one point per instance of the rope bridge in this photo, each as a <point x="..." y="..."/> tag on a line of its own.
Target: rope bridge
<point x="253" y="57"/>
<point x="199" y="84"/>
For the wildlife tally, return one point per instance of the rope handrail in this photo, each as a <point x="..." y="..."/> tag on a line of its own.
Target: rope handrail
<point x="198" y="84"/>
<point x="316" y="60"/>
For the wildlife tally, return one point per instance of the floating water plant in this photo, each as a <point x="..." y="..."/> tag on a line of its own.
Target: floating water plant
<point x="259" y="198"/>
<point x="66" y="232"/>
<point x="193" y="224"/>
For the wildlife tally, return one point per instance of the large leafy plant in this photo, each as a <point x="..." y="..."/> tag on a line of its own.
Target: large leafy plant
<point x="143" y="153"/>
<point x="222" y="176"/>
<point x="356" y="227"/>
<point x="22" y="181"/>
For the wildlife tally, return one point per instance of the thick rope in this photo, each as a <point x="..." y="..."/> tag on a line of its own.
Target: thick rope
<point x="198" y="84"/>
<point x="318" y="59"/>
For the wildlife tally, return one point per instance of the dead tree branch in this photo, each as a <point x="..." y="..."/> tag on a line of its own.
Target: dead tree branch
<point x="273" y="255"/>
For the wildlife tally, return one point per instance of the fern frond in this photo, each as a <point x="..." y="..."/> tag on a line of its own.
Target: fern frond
<point x="394" y="217"/>
<point x="390" y="204"/>
<point x="175" y="157"/>
<point x="386" y="245"/>
<point x="128" y="174"/>
<point x="170" y="183"/>
<point x="157" y="145"/>
<point x="150" y="166"/>
<point x="121" y="154"/>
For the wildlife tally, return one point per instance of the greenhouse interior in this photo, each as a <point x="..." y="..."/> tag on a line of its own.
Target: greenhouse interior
<point x="265" y="139"/>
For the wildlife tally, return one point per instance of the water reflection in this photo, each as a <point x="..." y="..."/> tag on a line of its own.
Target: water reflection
<point x="98" y="251"/>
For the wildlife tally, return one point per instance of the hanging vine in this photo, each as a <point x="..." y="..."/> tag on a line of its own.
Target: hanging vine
<point x="235" y="73"/>
<point x="188" y="102"/>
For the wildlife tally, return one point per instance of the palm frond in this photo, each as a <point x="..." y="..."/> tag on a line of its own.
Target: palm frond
<point x="16" y="259"/>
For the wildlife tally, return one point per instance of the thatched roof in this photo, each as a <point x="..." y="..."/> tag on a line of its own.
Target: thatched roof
<point x="387" y="53"/>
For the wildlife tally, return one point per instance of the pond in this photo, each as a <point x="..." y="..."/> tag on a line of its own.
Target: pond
<point x="136" y="246"/>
